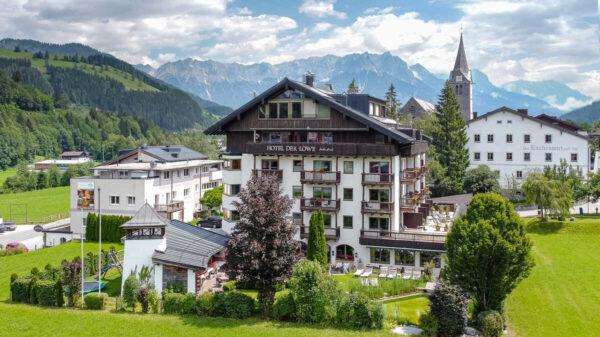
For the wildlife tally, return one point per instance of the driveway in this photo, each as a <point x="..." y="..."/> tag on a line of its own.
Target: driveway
<point x="26" y="235"/>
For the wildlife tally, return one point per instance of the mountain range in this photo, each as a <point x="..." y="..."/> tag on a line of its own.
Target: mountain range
<point x="586" y="114"/>
<point x="233" y="84"/>
<point x="557" y="94"/>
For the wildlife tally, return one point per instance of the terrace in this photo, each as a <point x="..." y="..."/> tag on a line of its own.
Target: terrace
<point x="331" y="233"/>
<point x="377" y="207"/>
<point x="409" y="239"/>
<point x="377" y="178"/>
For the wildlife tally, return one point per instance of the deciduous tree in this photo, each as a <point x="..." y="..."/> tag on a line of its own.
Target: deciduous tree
<point x="262" y="250"/>
<point x="481" y="180"/>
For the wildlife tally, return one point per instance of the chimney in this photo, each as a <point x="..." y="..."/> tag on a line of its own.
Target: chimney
<point x="474" y="114"/>
<point x="309" y="79"/>
<point x="522" y="111"/>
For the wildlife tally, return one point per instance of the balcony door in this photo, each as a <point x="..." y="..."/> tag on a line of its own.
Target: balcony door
<point x="381" y="168"/>
<point x="321" y="192"/>
<point x="269" y="164"/>
<point x="379" y="195"/>
<point x="322" y="166"/>
<point x="379" y="224"/>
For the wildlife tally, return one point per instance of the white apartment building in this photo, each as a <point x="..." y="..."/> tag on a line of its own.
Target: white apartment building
<point x="172" y="179"/>
<point x="514" y="144"/>
<point x="332" y="153"/>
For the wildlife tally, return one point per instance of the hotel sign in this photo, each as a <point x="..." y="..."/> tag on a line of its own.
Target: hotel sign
<point x="550" y="148"/>
<point x="301" y="149"/>
<point x="338" y="149"/>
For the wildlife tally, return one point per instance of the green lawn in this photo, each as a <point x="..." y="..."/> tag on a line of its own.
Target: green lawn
<point x="561" y="297"/>
<point x="36" y="206"/>
<point x="409" y="309"/>
<point x="7" y="173"/>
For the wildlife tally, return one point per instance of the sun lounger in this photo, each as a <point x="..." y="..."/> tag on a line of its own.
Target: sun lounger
<point x="407" y="273"/>
<point x="368" y="271"/>
<point x="359" y="272"/>
<point x="416" y="274"/>
<point x="383" y="272"/>
<point x="374" y="282"/>
<point x="364" y="281"/>
<point x="392" y="273"/>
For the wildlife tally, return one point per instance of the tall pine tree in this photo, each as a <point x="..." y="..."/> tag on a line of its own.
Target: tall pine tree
<point x="450" y="143"/>
<point x="317" y="246"/>
<point x="353" y="87"/>
<point x="391" y="102"/>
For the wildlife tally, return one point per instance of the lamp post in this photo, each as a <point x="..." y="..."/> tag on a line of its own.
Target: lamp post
<point x="82" y="269"/>
<point x="99" y="243"/>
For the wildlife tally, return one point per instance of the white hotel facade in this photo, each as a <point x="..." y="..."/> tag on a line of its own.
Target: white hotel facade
<point x="172" y="179"/>
<point x="515" y="144"/>
<point x="338" y="154"/>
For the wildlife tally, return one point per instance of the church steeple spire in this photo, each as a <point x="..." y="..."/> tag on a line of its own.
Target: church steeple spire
<point x="461" y="59"/>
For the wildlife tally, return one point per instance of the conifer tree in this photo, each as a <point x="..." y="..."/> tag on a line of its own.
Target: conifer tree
<point x="353" y="87"/>
<point x="450" y="140"/>
<point x="317" y="246"/>
<point x="391" y="102"/>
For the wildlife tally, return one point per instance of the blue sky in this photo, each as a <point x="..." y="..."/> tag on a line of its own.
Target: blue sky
<point x="506" y="39"/>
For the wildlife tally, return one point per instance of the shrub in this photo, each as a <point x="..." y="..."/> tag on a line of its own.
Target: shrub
<point x="176" y="287"/>
<point x="154" y="301"/>
<point x="111" y="227"/>
<point x="358" y="312"/>
<point x="59" y="292"/>
<point x="176" y="303"/>
<point x="284" y="308"/>
<point x="314" y="293"/>
<point x="32" y="288"/>
<point x="142" y="297"/>
<point x="95" y="301"/>
<point x="204" y="304"/>
<point x="449" y="307"/>
<point x="239" y="305"/>
<point x="19" y="290"/>
<point x="490" y="323"/>
<point x="130" y="289"/>
<point x="229" y="286"/>
<point x="219" y="303"/>
<point x="45" y="292"/>
<point x="428" y="323"/>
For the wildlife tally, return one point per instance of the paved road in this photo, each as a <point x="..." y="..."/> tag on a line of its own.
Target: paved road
<point x="26" y="235"/>
<point x="587" y="208"/>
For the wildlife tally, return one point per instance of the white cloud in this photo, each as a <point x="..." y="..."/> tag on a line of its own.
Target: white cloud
<point x="320" y="9"/>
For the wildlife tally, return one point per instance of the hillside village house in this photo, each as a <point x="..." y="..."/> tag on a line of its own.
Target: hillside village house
<point x="179" y="254"/>
<point x="513" y="143"/>
<point x="337" y="153"/>
<point x="67" y="158"/>
<point x="172" y="179"/>
<point x="417" y="108"/>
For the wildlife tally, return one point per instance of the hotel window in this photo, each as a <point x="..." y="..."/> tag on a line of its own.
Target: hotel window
<point x="509" y="138"/>
<point x="574" y="157"/>
<point x="327" y="220"/>
<point x="527" y="156"/>
<point x="296" y="110"/>
<point x="379" y="167"/>
<point x="186" y="192"/>
<point x="234" y="189"/>
<point x="297" y="165"/>
<point x="166" y="175"/>
<point x="231" y="215"/>
<point x="490" y="156"/>
<point x="477" y="138"/>
<point x="232" y="165"/>
<point x="380" y="255"/>
<point x="322" y="165"/>
<point x="519" y="174"/>
<point x="297" y="219"/>
<point x="297" y="192"/>
<point x="548" y="156"/>
<point x="509" y="156"/>
<point x="490" y="138"/>
<point x="115" y="200"/>
<point x="348" y="194"/>
<point x="178" y="173"/>
<point x="380" y="195"/>
<point x="347" y="222"/>
<point x="498" y="122"/>
<point x="274" y="137"/>
<point x="322" y="192"/>
<point x="509" y="121"/>
<point x="283" y="110"/>
<point x="382" y="224"/>
<point x="476" y="156"/>
<point x="348" y="167"/>
<point x="269" y="164"/>
<point x="527" y="138"/>
<point x="272" y="110"/>
<point x="130" y="200"/>
<point x="186" y="172"/>
<point x="404" y="257"/>
<point x="548" y="139"/>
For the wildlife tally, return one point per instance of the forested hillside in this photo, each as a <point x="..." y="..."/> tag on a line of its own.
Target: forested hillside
<point x="105" y="82"/>
<point x="31" y="125"/>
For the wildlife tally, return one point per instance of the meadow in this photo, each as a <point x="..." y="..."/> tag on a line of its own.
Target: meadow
<point x="39" y="206"/>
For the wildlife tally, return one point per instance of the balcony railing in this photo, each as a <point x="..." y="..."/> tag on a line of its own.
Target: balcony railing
<point x="377" y="207"/>
<point x="313" y="204"/>
<point x="318" y="177"/>
<point x="278" y="174"/>
<point x="331" y="233"/>
<point x="377" y="178"/>
<point x="410" y="240"/>
<point x="171" y="207"/>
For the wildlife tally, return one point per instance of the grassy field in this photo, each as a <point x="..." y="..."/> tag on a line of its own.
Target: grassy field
<point x="109" y="72"/>
<point x="36" y="206"/>
<point x="7" y="173"/>
<point x="561" y="297"/>
<point x="409" y="309"/>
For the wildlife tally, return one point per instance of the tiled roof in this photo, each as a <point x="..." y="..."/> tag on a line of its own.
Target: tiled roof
<point x="146" y="217"/>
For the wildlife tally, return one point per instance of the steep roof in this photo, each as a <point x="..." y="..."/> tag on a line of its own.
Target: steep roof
<point x="321" y="97"/>
<point x="425" y="105"/>
<point x="525" y="115"/>
<point x="190" y="246"/>
<point x="165" y="153"/>
<point x="460" y="64"/>
<point x="146" y="217"/>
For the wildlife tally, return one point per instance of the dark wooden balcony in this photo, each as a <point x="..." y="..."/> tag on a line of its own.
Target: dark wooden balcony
<point x="278" y="174"/>
<point x="409" y="175"/>
<point x="331" y="233"/>
<point x="377" y="207"/>
<point x="333" y="149"/>
<point x="407" y="240"/>
<point x="314" y="204"/>
<point x="318" y="177"/>
<point x="377" y="178"/>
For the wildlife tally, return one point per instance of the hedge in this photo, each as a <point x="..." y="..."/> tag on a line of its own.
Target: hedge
<point x="491" y="323"/>
<point x="19" y="290"/>
<point x="95" y="301"/>
<point x="111" y="227"/>
<point x="176" y="303"/>
<point x="45" y="292"/>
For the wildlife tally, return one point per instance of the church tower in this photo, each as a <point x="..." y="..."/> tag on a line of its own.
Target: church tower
<point x="460" y="80"/>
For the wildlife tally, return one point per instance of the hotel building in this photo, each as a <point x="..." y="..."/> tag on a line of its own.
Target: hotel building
<point x="172" y="179"/>
<point x="337" y="153"/>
